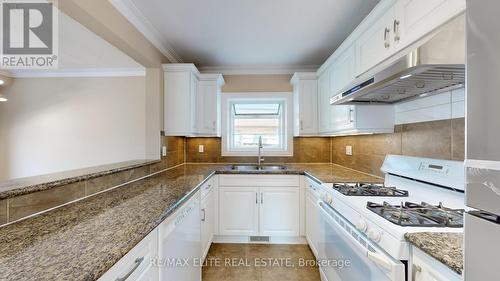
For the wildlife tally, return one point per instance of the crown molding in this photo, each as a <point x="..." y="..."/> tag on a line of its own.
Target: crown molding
<point x="128" y="9"/>
<point x="84" y="72"/>
<point x="258" y="70"/>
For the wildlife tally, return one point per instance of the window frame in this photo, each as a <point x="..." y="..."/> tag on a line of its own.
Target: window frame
<point x="286" y="101"/>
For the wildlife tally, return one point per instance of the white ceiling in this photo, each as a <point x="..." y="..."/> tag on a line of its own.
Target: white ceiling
<point x="251" y="33"/>
<point x="83" y="53"/>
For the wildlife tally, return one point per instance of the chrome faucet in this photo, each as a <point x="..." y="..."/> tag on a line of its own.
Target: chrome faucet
<point x="260" y="158"/>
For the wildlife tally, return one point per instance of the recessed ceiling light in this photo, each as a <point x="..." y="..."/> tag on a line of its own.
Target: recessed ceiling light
<point x="405" y="76"/>
<point x="2" y="82"/>
<point x="3" y="98"/>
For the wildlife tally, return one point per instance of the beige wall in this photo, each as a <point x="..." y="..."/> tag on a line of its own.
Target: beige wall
<point x="103" y="19"/>
<point x="58" y="124"/>
<point x="257" y="83"/>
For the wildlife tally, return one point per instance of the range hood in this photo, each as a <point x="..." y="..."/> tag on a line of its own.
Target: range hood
<point x="436" y="66"/>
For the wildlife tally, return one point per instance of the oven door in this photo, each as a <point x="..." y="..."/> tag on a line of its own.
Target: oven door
<point x="347" y="255"/>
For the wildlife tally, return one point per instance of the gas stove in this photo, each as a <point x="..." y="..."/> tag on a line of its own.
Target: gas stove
<point x="369" y="189"/>
<point x="421" y="215"/>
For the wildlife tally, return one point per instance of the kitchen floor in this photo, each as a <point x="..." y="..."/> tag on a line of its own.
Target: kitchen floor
<point x="259" y="262"/>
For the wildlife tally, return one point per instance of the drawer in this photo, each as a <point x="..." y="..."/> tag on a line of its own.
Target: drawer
<point x="136" y="264"/>
<point x="259" y="180"/>
<point x="207" y="187"/>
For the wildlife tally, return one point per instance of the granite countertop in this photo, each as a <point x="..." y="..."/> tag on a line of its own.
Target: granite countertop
<point x="22" y="186"/>
<point x="445" y="247"/>
<point x="83" y="240"/>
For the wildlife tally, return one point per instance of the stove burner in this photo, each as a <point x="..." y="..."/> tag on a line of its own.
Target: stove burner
<point x="368" y="189"/>
<point x="424" y="214"/>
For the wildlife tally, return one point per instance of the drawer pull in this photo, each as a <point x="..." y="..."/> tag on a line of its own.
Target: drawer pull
<point x="137" y="263"/>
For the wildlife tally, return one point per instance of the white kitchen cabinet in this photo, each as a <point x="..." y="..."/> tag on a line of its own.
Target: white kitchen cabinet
<point x="416" y="18"/>
<point x="259" y="205"/>
<point x="279" y="211"/>
<point x="208" y="209"/>
<point x="324" y="109"/>
<point x="208" y="105"/>
<point x="305" y="103"/>
<point x="238" y="210"/>
<point x="375" y="44"/>
<point x="136" y="264"/>
<point x="426" y="268"/>
<point x="180" y="88"/>
<point x="402" y="24"/>
<point x="191" y="101"/>
<point x="312" y="217"/>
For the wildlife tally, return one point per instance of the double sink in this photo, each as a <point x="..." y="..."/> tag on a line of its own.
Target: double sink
<point x="258" y="168"/>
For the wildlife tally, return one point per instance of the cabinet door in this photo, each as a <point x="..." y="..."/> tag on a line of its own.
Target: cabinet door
<point x="207" y="101"/>
<point x="312" y="227"/>
<point x="238" y="211"/>
<point x="426" y="268"/>
<point x="192" y="103"/>
<point x="416" y="18"/>
<point x="279" y="211"/>
<point x="344" y="117"/>
<point x="325" y="114"/>
<point x="207" y="222"/>
<point x="375" y="44"/>
<point x="177" y="106"/>
<point x="308" y="107"/>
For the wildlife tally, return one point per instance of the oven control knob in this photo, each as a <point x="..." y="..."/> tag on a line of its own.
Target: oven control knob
<point x="328" y="198"/>
<point x="374" y="235"/>
<point x="362" y="225"/>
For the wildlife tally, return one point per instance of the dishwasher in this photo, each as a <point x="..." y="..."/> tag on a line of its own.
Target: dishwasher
<point x="180" y="244"/>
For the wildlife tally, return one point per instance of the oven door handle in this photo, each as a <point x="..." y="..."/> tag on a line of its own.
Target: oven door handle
<point x="379" y="259"/>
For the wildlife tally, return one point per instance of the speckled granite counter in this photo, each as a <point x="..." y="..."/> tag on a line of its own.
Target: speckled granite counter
<point x="27" y="185"/>
<point x="83" y="240"/>
<point x="445" y="247"/>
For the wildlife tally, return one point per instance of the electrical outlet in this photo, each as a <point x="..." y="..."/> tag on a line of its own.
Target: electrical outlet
<point x="201" y="148"/>
<point x="163" y="151"/>
<point x="348" y="150"/>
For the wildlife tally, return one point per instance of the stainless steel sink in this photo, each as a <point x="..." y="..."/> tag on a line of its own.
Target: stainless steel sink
<point x="257" y="168"/>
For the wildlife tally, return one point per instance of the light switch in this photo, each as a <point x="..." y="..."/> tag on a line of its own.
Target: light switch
<point x="163" y="151"/>
<point x="348" y="150"/>
<point x="201" y="148"/>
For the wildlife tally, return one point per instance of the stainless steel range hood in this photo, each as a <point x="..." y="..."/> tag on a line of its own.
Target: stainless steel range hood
<point x="436" y="66"/>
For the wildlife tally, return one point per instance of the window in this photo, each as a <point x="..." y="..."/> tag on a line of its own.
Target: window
<point x="253" y="116"/>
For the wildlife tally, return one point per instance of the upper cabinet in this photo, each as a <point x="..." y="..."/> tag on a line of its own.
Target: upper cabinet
<point x="191" y="101"/>
<point x="305" y="104"/>
<point x="208" y="105"/>
<point x="399" y="26"/>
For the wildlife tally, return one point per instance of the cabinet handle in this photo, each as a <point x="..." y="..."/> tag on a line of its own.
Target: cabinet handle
<point x="137" y="262"/>
<point x="204" y="215"/>
<point x="301" y="125"/>
<point x="386" y="35"/>
<point x="418" y="268"/>
<point x="256" y="198"/>
<point x="351" y="110"/>
<point x="261" y="198"/>
<point x="396" y="31"/>
<point x="213" y="125"/>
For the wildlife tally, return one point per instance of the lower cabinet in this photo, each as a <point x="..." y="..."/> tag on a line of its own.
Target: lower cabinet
<point x="312" y="218"/>
<point x="207" y="218"/>
<point x="279" y="211"/>
<point x="238" y="210"/>
<point x="259" y="206"/>
<point x="426" y="268"/>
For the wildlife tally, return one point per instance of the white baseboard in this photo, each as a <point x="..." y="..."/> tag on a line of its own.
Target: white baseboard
<point x="221" y="239"/>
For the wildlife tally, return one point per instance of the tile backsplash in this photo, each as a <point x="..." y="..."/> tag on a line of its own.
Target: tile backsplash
<point x="442" y="139"/>
<point x="305" y="150"/>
